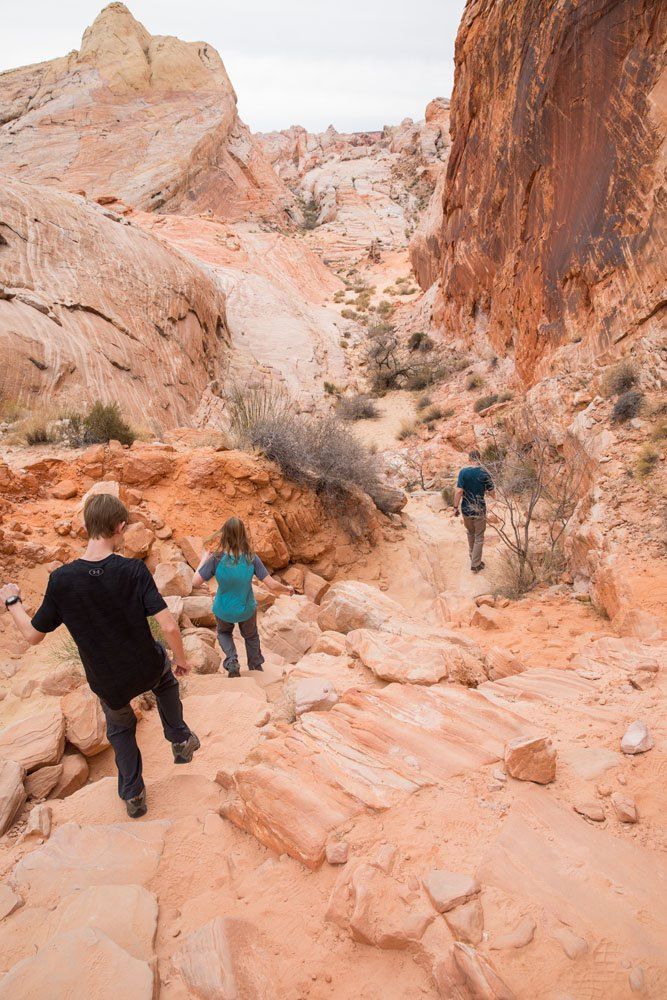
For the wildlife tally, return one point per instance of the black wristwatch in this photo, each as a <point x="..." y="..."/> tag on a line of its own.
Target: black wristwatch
<point x="13" y="600"/>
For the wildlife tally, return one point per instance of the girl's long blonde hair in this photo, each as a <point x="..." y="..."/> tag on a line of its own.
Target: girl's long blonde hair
<point x="232" y="539"/>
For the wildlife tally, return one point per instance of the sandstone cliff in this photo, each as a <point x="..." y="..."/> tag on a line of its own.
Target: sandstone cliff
<point x="147" y="120"/>
<point x="552" y="231"/>
<point x="91" y="307"/>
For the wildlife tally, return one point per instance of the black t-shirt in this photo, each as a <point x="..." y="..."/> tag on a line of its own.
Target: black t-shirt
<point x="104" y="605"/>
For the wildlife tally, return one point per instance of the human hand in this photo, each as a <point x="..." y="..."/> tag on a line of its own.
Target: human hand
<point x="181" y="669"/>
<point x="456" y="512"/>
<point x="7" y="591"/>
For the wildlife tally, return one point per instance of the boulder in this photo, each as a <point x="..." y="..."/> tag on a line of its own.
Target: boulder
<point x="636" y="739"/>
<point x="85" y="725"/>
<point x="79" y="963"/>
<point x="350" y="605"/>
<point x="314" y="586"/>
<point x="12" y="792"/>
<point x="110" y="486"/>
<point x="62" y="680"/>
<point x="531" y="758"/>
<point x="624" y="807"/>
<point x="73" y="777"/>
<point x="487" y="618"/>
<point x="192" y="547"/>
<point x="288" y="630"/>
<point x="464" y="975"/>
<point x="313" y="694"/>
<point x="337" y="852"/>
<point x="448" y="889"/>
<point x="64" y="490"/>
<point x="466" y="922"/>
<point x="202" y="657"/>
<point x="374" y="908"/>
<point x="138" y="541"/>
<point x="413" y="660"/>
<point x="35" y="741"/>
<point x="454" y="609"/>
<point x="331" y="643"/>
<point x="174" y="579"/>
<point x="226" y="960"/>
<point x="199" y="609"/>
<point x="388" y="499"/>
<point x="43" y="780"/>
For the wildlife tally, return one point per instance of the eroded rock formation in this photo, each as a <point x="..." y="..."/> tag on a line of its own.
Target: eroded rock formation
<point x="553" y="222"/>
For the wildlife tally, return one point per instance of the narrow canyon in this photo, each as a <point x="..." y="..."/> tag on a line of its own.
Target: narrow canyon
<point x="443" y="783"/>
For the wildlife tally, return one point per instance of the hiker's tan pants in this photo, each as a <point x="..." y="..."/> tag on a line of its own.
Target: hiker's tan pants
<point x="475" y="526"/>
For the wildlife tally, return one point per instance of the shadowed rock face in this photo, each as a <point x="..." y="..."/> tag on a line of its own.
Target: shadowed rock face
<point x="148" y="120"/>
<point x="93" y="308"/>
<point x="551" y="204"/>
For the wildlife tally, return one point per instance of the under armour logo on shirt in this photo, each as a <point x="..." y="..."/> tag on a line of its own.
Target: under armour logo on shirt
<point x="95" y="572"/>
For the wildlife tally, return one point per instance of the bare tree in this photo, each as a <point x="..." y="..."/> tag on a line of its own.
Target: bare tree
<point x="536" y="491"/>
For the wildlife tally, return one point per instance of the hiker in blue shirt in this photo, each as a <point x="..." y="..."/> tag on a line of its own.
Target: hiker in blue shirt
<point x="473" y="484"/>
<point x="234" y="565"/>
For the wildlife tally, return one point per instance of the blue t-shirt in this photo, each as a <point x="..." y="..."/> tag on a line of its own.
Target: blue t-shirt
<point x="234" y="601"/>
<point x="474" y="482"/>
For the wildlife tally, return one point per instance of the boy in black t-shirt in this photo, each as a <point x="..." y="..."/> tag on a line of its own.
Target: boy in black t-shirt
<point x="105" y="600"/>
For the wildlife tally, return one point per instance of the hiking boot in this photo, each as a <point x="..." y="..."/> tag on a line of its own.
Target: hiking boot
<point x="234" y="670"/>
<point x="259" y="667"/>
<point x="184" y="752"/>
<point x="137" y="807"/>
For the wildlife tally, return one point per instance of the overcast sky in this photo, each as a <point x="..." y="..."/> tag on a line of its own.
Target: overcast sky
<point x="356" y="64"/>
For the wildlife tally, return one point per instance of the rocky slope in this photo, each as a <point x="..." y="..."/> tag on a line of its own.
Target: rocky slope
<point x="91" y="307"/>
<point x="548" y="234"/>
<point x="146" y="120"/>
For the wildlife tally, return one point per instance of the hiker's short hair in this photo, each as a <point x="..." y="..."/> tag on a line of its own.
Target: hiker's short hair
<point x="102" y="514"/>
<point x="474" y="455"/>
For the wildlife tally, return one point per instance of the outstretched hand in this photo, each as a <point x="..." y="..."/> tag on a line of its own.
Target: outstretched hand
<point x="181" y="669"/>
<point x="456" y="512"/>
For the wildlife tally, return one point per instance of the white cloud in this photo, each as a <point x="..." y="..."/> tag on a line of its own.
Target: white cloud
<point x="357" y="64"/>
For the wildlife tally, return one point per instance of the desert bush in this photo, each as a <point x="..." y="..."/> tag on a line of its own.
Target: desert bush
<point x="430" y="416"/>
<point x="331" y="389"/>
<point x="250" y="405"/>
<point x="420" y="341"/>
<point x="344" y="343"/>
<point x="619" y="380"/>
<point x="659" y="432"/>
<point x="318" y="452"/>
<point x="358" y="407"/>
<point x="647" y="460"/>
<point x="505" y="397"/>
<point x="349" y="314"/>
<point x="484" y="402"/>
<point x="310" y="213"/>
<point x="386" y="308"/>
<point x="104" y="422"/>
<point x="474" y="381"/>
<point x="447" y="493"/>
<point x="407" y="430"/>
<point x="38" y="432"/>
<point x="423" y="403"/>
<point x="627" y="407"/>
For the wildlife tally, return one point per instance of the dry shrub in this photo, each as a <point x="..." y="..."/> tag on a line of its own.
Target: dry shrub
<point x="250" y="405"/>
<point x="474" y="381"/>
<point x="484" y="402"/>
<point x="358" y="407"/>
<point x="619" y="380"/>
<point x="423" y="403"/>
<point x="627" y="407"/>
<point x="659" y="432"/>
<point x="392" y="365"/>
<point x="647" y="461"/>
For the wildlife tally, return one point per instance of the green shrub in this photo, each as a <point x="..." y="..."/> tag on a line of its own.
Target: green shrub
<point x="627" y="407"/>
<point x="484" y="402"/>
<point x="619" y="380"/>
<point x="104" y="422"/>
<point x="474" y="381"/>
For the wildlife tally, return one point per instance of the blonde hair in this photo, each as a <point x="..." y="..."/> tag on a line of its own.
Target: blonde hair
<point x="231" y="539"/>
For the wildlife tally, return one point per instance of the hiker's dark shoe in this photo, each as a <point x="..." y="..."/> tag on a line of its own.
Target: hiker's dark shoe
<point x="260" y="667"/>
<point x="184" y="752"/>
<point x="137" y="807"/>
<point x="476" y="569"/>
<point x="233" y="670"/>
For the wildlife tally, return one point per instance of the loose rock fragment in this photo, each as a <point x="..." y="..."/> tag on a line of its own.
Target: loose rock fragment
<point x="449" y="889"/>
<point x="636" y="739"/>
<point x="624" y="807"/>
<point x="531" y="758"/>
<point x="466" y="922"/>
<point x="12" y="792"/>
<point x="522" y="935"/>
<point x="571" y="943"/>
<point x="591" y="810"/>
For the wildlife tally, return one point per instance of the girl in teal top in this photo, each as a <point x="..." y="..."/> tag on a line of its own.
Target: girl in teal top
<point x="234" y="565"/>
